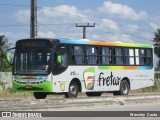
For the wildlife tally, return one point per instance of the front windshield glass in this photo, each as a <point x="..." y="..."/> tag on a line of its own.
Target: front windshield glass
<point x="32" y="61"/>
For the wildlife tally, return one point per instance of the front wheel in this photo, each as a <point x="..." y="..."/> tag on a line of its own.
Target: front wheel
<point x="73" y="91"/>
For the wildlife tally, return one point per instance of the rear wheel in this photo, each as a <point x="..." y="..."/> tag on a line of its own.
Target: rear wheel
<point x="91" y="94"/>
<point x="73" y="91"/>
<point x="124" y="89"/>
<point x="40" y="95"/>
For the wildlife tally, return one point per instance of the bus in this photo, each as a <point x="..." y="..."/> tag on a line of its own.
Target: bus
<point x="47" y="66"/>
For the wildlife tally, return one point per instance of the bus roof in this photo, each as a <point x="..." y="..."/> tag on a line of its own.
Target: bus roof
<point x="92" y="42"/>
<point x="104" y="43"/>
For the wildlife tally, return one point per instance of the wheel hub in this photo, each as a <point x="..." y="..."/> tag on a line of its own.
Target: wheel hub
<point x="124" y="89"/>
<point x="73" y="90"/>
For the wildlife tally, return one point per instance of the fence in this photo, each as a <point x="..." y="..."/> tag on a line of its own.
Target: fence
<point x="5" y="80"/>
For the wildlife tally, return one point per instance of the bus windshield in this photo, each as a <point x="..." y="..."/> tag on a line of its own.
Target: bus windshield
<point x="32" y="61"/>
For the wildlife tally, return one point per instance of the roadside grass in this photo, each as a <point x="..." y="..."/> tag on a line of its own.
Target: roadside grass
<point x="154" y="88"/>
<point x="10" y="93"/>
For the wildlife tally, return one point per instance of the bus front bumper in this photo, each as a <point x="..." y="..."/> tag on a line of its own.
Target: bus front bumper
<point x="41" y="87"/>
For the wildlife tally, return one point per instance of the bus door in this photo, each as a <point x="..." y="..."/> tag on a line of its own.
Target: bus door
<point x="61" y="59"/>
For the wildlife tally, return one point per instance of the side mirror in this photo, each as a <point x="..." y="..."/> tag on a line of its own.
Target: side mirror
<point x="10" y="55"/>
<point x="59" y="59"/>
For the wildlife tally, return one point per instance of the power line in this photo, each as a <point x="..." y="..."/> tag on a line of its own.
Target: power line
<point x="115" y="34"/>
<point x="83" y="17"/>
<point x="23" y="25"/>
<point x="97" y="20"/>
<point x="16" y="5"/>
<point x="99" y="29"/>
<point x="123" y="33"/>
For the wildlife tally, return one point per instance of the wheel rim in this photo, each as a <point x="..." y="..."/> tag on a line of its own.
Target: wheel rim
<point x="124" y="89"/>
<point x="73" y="90"/>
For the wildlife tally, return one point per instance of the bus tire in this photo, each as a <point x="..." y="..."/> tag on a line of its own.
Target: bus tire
<point x="40" y="95"/>
<point x="91" y="94"/>
<point x="124" y="88"/>
<point x="73" y="90"/>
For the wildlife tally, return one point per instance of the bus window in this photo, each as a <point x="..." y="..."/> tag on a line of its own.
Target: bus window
<point x="78" y="54"/>
<point x="126" y="56"/>
<point x="118" y="55"/>
<point x="137" y="56"/>
<point x="131" y="56"/>
<point x="148" y="57"/>
<point x="142" y="56"/>
<point x="92" y="56"/>
<point x="32" y="61"/>
<point x="62" y="60"/>
<point x="105" y="55"/>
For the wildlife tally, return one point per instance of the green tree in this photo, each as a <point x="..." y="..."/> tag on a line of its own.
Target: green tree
<point x="4" y="45"/>
<point x="157" y="45"/>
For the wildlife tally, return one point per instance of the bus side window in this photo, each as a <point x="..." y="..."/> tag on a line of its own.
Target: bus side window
<point x="62" y="60"/>
<point x="105" y="55"/>
<point x="118" y="55"/>
<point x="78" y="54"/>
<point x="92" y="56"/>
<point x="126" y="56"/>
<point x="131" y="56"/>
<point x="142" y="56"/>
<point x="138" y="62"/>
<point x="148" y="57"/>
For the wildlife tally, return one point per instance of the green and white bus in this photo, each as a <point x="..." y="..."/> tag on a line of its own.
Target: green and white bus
<point x="64" y="66"/>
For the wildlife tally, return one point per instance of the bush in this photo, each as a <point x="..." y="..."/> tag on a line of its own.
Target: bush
<point x="154" y="88"/>
<point x="11" y="90"/>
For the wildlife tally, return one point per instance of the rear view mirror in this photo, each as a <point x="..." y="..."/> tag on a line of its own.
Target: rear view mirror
<point x="10" y="55"/>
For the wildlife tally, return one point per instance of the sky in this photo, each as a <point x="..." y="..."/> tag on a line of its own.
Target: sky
<point x="132" y="21"/>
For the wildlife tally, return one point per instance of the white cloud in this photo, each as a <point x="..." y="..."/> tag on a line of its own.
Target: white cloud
<point x="146" y="37"/>
<point x="62" y="14"/>
<point x="126" y="38"/>
<point x="50" y="15"/>
<point x="113" y="37"/>
<point x="155" y="22"/>
<point x="120" y="38"/>
<point x="13" y="37"/>
<point x="46" y="34"/>
<point x="122" y="11"/>
<point x="23" y="16"/>
<point x="131" y="28"/>
<point x="108" y="24"/>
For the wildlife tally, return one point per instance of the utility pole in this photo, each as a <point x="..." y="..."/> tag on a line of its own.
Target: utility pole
<point x="33" y="21"/>
<point x="84" y="28"/>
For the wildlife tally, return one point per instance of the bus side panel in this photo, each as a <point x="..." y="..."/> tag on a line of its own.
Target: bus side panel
<point x="103" y="78"/>
<point x="141" y="78"/>
<point x="91" y="78"/>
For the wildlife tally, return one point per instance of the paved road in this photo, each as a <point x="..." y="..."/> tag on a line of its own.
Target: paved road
<point x="133" y="107"/>
<point x="58" y="104"/>
<point x="140" y="102"/>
